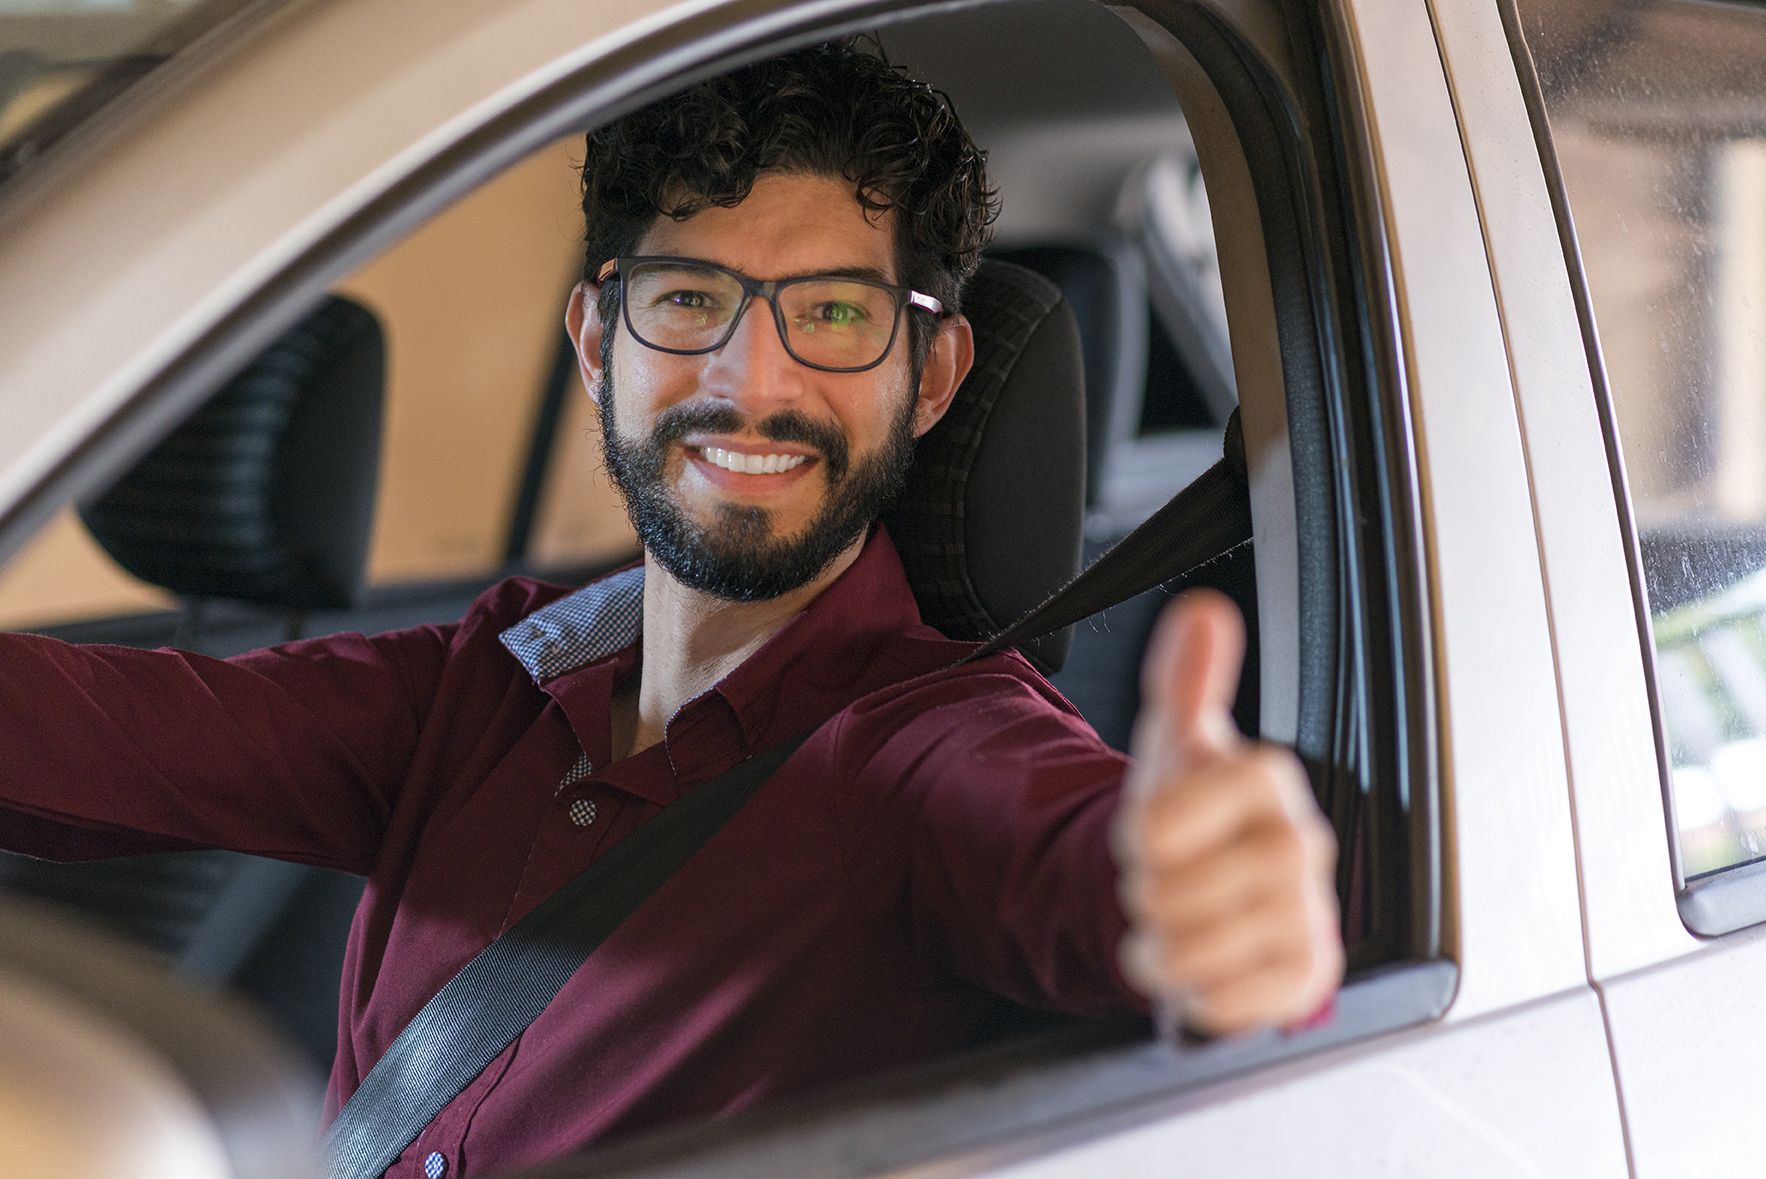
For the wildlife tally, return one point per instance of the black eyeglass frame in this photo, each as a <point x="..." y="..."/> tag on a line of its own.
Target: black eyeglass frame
<point x="904" y="297"/>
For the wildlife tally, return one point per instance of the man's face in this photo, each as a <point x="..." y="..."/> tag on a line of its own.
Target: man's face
<point x="681" y="432"/>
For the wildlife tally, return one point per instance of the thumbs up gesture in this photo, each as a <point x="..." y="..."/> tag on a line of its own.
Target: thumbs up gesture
<point x="1227" y="865"/>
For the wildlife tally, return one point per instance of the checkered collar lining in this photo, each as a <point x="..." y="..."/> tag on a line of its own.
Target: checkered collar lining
<point x="602" y="617"/>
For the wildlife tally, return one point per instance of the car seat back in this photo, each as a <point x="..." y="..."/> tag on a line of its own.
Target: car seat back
<point x="1104" y="281"/>
<point x="992" y="517"/>
<point x="265" y="495"/>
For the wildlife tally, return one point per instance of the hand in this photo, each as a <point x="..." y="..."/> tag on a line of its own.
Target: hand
<point x="1227" y="865"/>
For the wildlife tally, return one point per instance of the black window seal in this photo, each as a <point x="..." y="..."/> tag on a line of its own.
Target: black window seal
<point x="1402" y="721"/>
<point x="1339" y="344"/>
<point x="1731" y="898"/>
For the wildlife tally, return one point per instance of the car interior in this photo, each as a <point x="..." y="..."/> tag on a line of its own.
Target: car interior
<point x="423" y="433"/>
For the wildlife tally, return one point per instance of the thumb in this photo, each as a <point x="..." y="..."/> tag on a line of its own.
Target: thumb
<point x="1191" y="675"/>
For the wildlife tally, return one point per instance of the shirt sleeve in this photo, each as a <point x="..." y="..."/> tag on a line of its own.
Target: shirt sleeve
<point x="296" y="752"/>
<point x="985" y="804"/>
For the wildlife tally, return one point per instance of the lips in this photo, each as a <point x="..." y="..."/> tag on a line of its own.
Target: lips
<point x="743" y="463"/>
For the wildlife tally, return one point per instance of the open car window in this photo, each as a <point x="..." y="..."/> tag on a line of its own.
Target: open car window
<point x="1137" y="160"/>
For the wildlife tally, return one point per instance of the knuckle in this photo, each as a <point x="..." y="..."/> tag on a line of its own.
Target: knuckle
<point x="1290" y="849"/>
<point x="1137" y="956"/>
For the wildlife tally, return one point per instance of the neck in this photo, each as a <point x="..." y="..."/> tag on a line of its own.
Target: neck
<point x="691" y="640"/>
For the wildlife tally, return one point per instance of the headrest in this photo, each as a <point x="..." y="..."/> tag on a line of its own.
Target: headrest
<point x="1105" y="283"/>
<point x="266" y="493"/>
<point x="992" y="517"/>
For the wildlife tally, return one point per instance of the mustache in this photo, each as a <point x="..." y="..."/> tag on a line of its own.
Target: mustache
<point x="677" y="421"/>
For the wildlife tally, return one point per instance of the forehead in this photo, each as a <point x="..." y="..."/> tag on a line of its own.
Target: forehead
<point x="791" y="223"/>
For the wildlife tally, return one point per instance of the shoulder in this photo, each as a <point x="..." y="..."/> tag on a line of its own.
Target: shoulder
<point x="547" y="606"/>
<point x="940" y="716"/>
<point x="508" y="602"/>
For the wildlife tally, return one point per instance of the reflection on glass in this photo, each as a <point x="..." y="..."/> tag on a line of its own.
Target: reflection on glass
<point x="1658" y="114"/>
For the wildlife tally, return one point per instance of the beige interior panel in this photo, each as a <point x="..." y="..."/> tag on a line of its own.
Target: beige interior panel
<point x="580" y="520"/>
<point x="63" y="576"/>
<point x="472" y="304"/>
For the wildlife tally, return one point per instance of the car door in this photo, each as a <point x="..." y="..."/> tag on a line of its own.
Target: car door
<point x="1512" y="1080"/>
<point x="1408" y="647"/>
<point x="1641" y="402"/>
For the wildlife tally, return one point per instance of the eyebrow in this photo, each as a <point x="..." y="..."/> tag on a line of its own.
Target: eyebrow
<point x="866" y="273"/>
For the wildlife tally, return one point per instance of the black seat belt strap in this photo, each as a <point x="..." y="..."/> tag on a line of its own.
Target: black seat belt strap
<point x="482" y="1009"/>
<point x="1202" y="523"/>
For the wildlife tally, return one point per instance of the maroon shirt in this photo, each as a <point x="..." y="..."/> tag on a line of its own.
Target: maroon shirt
<point x="940" y="840"/>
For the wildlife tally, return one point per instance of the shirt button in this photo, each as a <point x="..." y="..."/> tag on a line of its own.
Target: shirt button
<point x="435" y="1166"/>
<point x="582" y="813"/>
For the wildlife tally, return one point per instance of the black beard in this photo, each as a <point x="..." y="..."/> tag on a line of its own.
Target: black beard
<point x="738" y="558"/>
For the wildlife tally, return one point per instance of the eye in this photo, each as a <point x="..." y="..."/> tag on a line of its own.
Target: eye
<point x="687" y="300"/>
<point x="838" y="314"/>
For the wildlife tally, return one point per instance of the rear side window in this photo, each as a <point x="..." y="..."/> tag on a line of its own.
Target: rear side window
<point x="1658" y="117"/>
<point x="470" y="307"/>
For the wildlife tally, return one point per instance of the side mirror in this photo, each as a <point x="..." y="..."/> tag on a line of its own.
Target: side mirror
<point x="114" y="1068"/>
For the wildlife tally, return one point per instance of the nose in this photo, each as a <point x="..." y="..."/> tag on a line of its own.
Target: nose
<point x="752" y="370"/>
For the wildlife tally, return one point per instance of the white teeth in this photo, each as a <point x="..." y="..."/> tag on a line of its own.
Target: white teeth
<point x="751" y="464"/>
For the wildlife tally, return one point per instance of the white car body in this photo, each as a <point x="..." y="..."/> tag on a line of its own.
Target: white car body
<point x="1589" y="1033"/>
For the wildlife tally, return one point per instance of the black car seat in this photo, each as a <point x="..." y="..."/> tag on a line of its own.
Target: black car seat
<point x="263" y="497"/>
<point x="991" y="519"/>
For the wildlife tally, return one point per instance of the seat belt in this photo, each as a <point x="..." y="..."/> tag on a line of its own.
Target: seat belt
<point x="1202" y="523"/>
<point x="481" y="1010"/>
<point x="494" y="997"/>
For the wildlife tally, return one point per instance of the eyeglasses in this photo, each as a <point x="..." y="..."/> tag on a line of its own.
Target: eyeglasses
<point x="830" y="322"/>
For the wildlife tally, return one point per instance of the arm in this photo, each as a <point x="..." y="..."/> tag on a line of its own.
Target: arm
<point x="982" y="808"/>
<point x="1002" y="809"/>
<point x="295" y="752"/>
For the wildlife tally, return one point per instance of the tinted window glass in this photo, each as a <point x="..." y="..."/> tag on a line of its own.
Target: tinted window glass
<point x="1658" y="114"/>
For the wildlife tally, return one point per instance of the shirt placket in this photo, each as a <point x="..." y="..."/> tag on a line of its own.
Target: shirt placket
<point x="582" y="812"/>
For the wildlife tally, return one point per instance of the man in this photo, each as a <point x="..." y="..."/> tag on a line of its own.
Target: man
<point x="774" y="265"/>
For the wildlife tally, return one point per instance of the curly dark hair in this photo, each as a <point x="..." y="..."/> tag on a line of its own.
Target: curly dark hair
<point x="834" y="109"/>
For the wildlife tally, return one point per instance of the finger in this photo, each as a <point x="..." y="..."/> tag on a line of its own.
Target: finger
<point x="1217" y="805"/>
<point x="1268" y="860"/>
<point x="1213" y="955"/>
<point x="1191" y="675"/>
<point x="1286" y="983"/>
<point x="1282" y="991"/>
<point x="1141" y="954"/>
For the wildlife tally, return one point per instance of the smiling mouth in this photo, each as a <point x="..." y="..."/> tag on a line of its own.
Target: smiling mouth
<point x="750" y="464"/>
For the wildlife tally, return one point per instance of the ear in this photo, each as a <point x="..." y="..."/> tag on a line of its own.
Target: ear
<point x="582" y="319"/>
<point x="953" y="351"/>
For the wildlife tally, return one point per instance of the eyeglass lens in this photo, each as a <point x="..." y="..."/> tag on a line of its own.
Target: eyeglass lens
<point x="831" y="322"/>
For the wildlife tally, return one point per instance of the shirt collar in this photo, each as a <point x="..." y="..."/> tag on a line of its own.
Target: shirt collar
<point x="829" y="654"/>
<point x="594" y="622"/>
